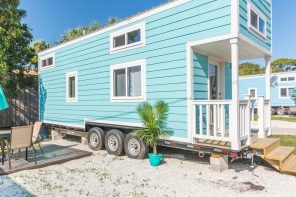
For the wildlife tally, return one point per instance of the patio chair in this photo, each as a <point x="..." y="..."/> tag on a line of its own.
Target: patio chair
<point x="21" y="137"/>
<point x="35" y="138"/>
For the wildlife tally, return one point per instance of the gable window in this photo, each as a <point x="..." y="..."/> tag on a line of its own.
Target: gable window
<point x="128" y="81"/>
<point x="257" y="21"/>
<point x="47" y="62"/>
<point x="286" y="92"/>
<point x="253" y="93"/>
<point x="129" y="38"/>
<point x="72" y="87"/>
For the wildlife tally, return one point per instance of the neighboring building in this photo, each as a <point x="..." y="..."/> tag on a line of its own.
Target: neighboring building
<point x="185" y="52"/>
<point x="282" y="86"/>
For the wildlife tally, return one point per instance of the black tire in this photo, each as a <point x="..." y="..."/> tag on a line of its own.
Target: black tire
<point x="96" y="139"/>
<point x="134" y="147"/>
<point x="114" y="142"/>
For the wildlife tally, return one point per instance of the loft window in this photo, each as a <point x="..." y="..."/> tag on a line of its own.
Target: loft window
<point x="257" y="21"/>
<point x="131" y="37"/>
<point x="287" y="79"/>
<point x="72" y="87"/>
<point x="128" y="81"/>
<point x="47" y="62"/>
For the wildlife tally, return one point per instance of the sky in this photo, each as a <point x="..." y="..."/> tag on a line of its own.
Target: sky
<point x="49" y="19"/>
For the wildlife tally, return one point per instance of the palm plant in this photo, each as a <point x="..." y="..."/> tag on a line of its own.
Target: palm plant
<point x="154" y="119"/>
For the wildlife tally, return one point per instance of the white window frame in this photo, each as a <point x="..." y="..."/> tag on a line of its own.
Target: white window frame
<point x="249" y="93"/>
<point x="286" y="87"/>
<point x="126" y="65"/>
<point x="46" y="57"/>
<point x="255" y="30"/>
<point x="125" y="31"/>
<point x="287" y="77"/>
<point x="68" y="75"/>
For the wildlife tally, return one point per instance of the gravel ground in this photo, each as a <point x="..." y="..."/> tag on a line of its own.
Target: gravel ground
<point x="107" y="175"/>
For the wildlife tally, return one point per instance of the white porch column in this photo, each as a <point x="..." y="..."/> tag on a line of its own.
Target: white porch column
<point x="234" y="121"/>
<point x="267" y="94"/>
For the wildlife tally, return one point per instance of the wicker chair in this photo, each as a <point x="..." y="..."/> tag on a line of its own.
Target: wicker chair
<point x="21" y="137"/>
<point x="35" y="137"/>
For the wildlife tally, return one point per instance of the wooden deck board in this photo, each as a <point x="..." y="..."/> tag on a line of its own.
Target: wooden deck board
<point x="280" y="153"/>
<point x="54" y="154"/>
<point x="264" y="143"/>
<point x="290" y="165"/>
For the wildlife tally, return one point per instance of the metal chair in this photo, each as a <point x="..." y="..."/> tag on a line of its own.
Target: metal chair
<point x="35" y="137"/>
<point x="21" y="137"/>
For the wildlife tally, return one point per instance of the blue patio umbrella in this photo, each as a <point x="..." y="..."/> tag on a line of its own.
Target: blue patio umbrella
<point x="3" y="101"/>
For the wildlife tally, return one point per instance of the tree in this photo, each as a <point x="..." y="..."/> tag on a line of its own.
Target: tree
<point x="38" y="46"/>
<point x="285" y="64"/>
<point x="112" y="20"/>
<point x="249" y="68"/>
<point x="78" y="32"/>
<point x="15" y="50"/>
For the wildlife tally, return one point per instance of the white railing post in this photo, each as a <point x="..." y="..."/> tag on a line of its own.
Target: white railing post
<point x="194" y="120"/>
<point x="234" y="113"/>
<point x="248" y="121"/>
<point x="268" y="93"/>
<point x="261" y="122"/>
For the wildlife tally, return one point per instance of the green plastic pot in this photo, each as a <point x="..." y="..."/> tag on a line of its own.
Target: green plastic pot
<point x="155" y="159"/>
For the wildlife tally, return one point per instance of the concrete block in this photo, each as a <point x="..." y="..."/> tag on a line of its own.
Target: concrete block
<point x="219" y="164"/>
<point x="55" y="135"/>
<point x="84" y="141"/>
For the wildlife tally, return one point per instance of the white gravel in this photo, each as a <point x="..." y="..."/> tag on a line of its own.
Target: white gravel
<point x="106" y="175"/>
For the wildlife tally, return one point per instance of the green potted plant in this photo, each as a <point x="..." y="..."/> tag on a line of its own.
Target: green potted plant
<point x="154" y="118"/>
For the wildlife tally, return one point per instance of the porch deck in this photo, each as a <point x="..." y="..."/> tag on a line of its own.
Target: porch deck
<point x="53" y="154"/>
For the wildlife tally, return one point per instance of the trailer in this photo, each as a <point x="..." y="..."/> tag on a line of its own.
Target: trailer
<point x="184" y="52"/>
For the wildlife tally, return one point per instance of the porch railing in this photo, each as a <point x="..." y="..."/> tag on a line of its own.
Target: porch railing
<point x="212" y="120"/>
<point x="264" y="117"/>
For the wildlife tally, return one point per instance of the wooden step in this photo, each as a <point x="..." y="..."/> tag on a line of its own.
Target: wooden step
<point x="280" y="153"/>
<point x="289" y="165"/>
<point x="262" y="144"/>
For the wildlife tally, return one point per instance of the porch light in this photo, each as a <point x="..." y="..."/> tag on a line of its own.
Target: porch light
<point x="3" y="101"/>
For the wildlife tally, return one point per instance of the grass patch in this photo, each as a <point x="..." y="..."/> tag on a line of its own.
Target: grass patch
<point x="284" y="118"/>
<point x="286" y="140"/>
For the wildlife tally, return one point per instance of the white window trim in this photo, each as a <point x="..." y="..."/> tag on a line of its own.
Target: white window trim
<point x="141" y="98"/>
<point x="141" y="43"/>
<point x="68" y="75"/>
<point x="285" y="87"/>
<point x="261" y="15"/>
<point x="249" y="93"/>
<point x="287" y="79"/>
<point x="46" y="57"/>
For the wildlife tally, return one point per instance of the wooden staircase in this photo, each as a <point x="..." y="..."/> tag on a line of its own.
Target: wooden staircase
<point x="280" y="157"/>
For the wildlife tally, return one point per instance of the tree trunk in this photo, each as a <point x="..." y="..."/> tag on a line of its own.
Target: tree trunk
<point x="155" y="148"/>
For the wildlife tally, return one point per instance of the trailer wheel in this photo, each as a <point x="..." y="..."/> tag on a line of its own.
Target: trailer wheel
<point x="134" y="147"/>
<point x="281" y="110"/>
<point x="114" y="142"/>
<point x="96" y="139"/>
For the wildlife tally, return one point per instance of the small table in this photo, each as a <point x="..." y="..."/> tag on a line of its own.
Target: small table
<point x="4" y="136"/>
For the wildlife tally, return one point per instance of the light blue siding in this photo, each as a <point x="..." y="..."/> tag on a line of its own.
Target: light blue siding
<point x="264" y="7"/>
<point x="165" y="52"/>
<point x="259" y="82"/>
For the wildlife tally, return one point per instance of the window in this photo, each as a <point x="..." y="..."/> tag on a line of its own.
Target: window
<point x="129" y="38"/>
<point x="257" y="21"/>
<point x="72" y="87"/>
<point x="47" y="62"/>
<point x="128" y="81"/>
<point x="287" y="79"/>
<point x="253" y="93"/>
<point x="286" y="92"/>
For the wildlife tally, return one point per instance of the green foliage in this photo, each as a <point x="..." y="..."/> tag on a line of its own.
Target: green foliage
<point x="154" y="119"/>
<point x="250" y="69"/>
<point x="15" y="50"/>
<point x="285" y="64"/>
<point x="112" y="20"/>
<point x="38" y="46"/>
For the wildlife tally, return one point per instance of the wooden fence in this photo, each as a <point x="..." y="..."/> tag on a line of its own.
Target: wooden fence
<point x="22" y="111"/>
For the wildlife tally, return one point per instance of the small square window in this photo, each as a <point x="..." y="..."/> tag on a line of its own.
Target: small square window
<point x="291" y="78"/>
<point x="284" y="92"/>
<point x="50" y="61"/>
<point x="134" y="36"/>
<point x="72" y="87"/>
<point x="119" y="41"/>
<point x="44" y="63"/>
<point x="283" y="79"/>
<point x="72" y="92"/>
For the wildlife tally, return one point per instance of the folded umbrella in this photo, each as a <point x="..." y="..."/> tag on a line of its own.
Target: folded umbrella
<point x="3" y="101"/>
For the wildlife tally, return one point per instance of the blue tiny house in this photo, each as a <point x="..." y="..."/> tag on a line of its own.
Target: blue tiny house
<point x="282" y="86"/>
<point x="185" y="52"/>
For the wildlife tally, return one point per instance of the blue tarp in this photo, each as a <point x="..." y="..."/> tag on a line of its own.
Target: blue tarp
<point x="3" y="101"/>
